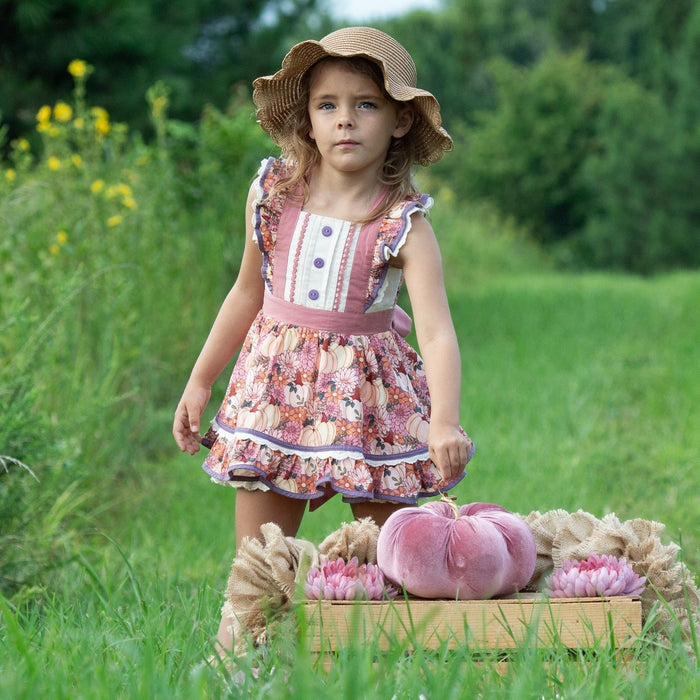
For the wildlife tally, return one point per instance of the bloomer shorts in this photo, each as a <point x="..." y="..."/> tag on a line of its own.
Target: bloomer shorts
<point x="260" y="486"/>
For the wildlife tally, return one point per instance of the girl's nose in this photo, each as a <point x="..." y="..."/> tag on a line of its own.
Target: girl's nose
<point x="344" y="119"/>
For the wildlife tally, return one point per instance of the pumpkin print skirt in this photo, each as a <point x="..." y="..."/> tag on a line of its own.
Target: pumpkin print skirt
<point x="309" y="413"/>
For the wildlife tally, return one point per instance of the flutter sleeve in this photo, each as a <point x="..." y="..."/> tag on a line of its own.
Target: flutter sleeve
<point x="267" y="209"/>
<point x="384" y="282"/>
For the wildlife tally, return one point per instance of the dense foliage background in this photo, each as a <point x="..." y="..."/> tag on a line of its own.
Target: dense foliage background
<point x="576" y="117"/>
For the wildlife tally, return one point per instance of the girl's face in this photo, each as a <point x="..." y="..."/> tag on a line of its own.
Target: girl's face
<point x="352" y="119"/>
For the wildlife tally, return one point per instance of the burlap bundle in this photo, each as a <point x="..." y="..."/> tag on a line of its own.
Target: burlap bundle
<point x="262" y="582"/>
<point x="355" y="539"/>
<point x="560" y="535"/>
<point x="265" y="574"/>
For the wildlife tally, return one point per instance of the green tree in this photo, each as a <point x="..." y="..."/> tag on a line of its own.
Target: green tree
<point x="452" y="48"/>
<point x="633" y="221"/>
<point x="527" y="155"/>
<point x="645" y="169"/>
<point x="593" y="163"/>
<point x="200" y="49"/>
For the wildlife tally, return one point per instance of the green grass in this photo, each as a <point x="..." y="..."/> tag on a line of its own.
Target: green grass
<point x="137" y="623"/>
<point x="580" y="391"/>
<point x="583" y="392"/>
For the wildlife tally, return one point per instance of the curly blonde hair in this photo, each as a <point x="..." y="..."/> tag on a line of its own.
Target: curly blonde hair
<point x="303" y="155"/>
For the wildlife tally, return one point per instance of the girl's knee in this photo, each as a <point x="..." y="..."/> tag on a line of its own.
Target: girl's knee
<point x="379" y="512"/>
<point x="255" y="508"/>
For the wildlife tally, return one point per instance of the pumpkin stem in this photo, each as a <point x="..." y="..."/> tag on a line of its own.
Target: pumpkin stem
<point x="450" y="500"/>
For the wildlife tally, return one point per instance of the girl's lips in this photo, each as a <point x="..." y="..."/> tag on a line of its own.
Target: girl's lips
<point x="347" y="142"/>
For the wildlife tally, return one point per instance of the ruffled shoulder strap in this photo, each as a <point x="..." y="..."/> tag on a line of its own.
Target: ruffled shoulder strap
<point x="397" y="223"/>
<point x="267" y="211"/>
<point x="392" y="233"/>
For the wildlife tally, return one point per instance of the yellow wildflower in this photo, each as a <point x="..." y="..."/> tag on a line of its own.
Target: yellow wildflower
<point x="115" y="220"/>
<point x="10" y="175"/>
<point x="44" y="114"/>
<point x="54" y="249"/>
<point x="77" y="160"/>
<point x="79" y="123"/>
<point x="77" y="68"/>
<point x="62" y="237"/>
<point x="97" y="186"/>
<point x="102" y="126"/>
<point x="43" y="118"/>
<point x="53" y="163"/>
<point x="124" y="189"/>
<point x="62" y="112"/>
<point x="111" y="192"/>
<point x="129" y="202"/>
<point x="23" y="145"/>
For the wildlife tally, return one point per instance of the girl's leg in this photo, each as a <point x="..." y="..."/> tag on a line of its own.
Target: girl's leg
<point x="379" y="512"/>
<point x="253" y="509"/>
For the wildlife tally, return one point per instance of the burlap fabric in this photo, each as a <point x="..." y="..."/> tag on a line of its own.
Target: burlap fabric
<point x="560" y="535"/>
<point x="266" y="573"/>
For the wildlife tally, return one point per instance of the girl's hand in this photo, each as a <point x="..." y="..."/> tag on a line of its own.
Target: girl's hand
<point x="187" y="416"/>
<point x="449" y="449"/>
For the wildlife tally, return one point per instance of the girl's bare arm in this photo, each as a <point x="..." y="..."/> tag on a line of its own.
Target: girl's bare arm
<point x="437" y="340"/>
<point x="235" y="316"/>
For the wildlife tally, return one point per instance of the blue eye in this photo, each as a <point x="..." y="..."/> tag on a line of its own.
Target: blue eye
<point x="368" y="105"/>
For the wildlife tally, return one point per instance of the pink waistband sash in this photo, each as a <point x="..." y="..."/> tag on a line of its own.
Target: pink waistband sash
<point x="346" y="322"/>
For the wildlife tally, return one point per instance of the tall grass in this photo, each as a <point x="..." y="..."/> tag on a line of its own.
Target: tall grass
<point x="136" y="631"/>
<point x="114" y="255"/>
<point x="579" y="392"/>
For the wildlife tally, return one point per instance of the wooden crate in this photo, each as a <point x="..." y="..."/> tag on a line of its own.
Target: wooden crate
<point x="485" y="624"/>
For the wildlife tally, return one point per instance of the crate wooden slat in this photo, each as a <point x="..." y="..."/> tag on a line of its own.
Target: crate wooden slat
<point x="486" y="624"/>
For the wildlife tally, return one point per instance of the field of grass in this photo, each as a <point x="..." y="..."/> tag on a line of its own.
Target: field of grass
<point x="580" y="392"/>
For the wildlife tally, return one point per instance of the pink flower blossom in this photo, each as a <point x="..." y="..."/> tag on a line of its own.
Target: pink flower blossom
<point x="596" y="576"/>
<point x="411" y="482"/>
<point x="336" y="580"/>
<point x="345" y="380"/>
<point x="360" y="476"/>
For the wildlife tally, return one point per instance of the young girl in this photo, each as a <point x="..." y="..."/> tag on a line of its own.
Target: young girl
<point x="326" y="396"/>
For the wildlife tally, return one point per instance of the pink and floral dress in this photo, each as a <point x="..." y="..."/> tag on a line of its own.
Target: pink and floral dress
<point x="326" y="396"/>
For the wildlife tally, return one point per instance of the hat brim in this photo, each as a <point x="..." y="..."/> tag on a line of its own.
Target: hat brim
<point x="277" y="96"/>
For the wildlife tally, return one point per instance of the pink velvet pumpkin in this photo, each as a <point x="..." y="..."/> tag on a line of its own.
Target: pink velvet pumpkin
<point x="471" y="552"/>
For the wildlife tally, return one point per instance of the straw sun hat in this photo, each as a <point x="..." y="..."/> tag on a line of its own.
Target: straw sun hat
<point x="276" y="96"/>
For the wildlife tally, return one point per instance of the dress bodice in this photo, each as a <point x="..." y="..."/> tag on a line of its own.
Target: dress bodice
<point x="325" y="263"/>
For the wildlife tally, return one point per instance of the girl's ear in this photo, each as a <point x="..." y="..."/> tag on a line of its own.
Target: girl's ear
<point x="404" y="121"/>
